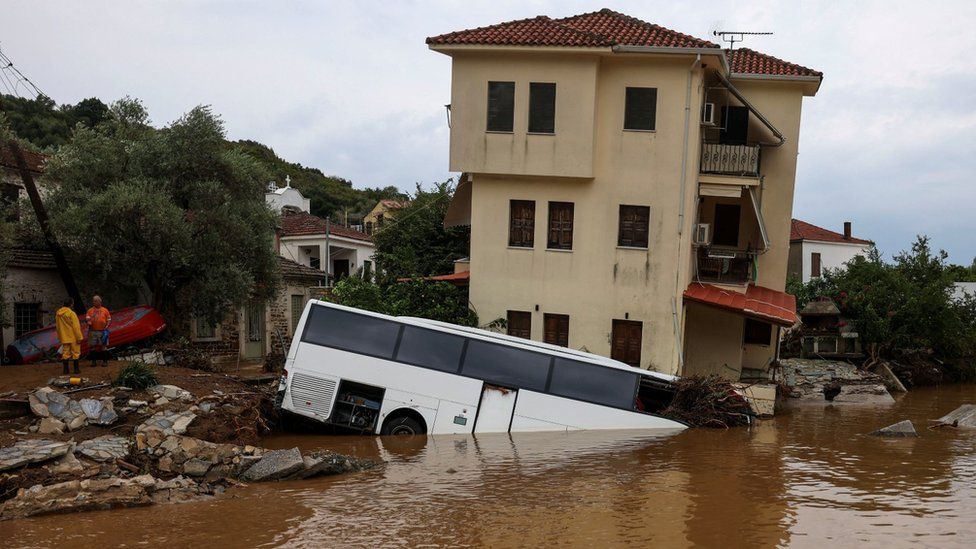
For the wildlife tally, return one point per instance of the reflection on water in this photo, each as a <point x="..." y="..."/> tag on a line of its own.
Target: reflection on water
<point x="808" y="477"/>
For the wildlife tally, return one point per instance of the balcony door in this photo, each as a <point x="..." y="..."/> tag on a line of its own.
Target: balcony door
<point x="735" y="126"/>
<point x="726" y="229"/>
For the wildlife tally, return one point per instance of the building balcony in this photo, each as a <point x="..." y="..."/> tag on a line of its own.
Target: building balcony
<point x="720" y="266"/>
<point x="735" y="160"/>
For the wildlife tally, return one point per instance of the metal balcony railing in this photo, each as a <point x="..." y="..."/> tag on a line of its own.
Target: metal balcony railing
<point x="724" y="270"/>
<point x="718" y="158"/>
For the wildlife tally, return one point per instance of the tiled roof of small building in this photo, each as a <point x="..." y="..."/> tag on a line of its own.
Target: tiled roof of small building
<point x="27" y="258"/>
<point x="801" y="230"/>
<point x="293" y="270"/>
<point x="302" y="223"/>
<point x="746" y="61"/>
<point x="606" y="28"/>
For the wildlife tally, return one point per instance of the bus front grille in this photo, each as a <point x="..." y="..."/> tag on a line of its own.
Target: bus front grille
<point x="313" y="394"/>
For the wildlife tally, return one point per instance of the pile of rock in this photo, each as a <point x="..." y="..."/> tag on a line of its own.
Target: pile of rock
<point x="844" y="382"/>
<point x="58" y="412"/>
<point x="26" y="452"/>
<point x="168" y="393"/>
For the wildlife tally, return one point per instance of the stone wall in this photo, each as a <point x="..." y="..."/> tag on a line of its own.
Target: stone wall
<point x="31" y="286"/>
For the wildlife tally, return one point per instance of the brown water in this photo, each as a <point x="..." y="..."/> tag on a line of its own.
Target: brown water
<point x="809" y="478"/>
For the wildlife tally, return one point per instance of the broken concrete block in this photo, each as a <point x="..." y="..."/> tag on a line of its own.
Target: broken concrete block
<point x="275" y="465"/>
<point x="900" y="429"/>
<point x="171" y="392"/>
<point x="963" y="416"/>
<point x="50" y="426"/>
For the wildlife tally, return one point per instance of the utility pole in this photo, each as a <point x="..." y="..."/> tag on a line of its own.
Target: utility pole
<point x="328" y="251"/>
<point x="44" y="222"/>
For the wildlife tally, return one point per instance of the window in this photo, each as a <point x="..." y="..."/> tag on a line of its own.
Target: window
<point x="506" y="366"/>
<point x="204" y="329"/>
<point x="625" y="344"/>
<point x="593" y="383"/>
<point x="640" y="110"/>
<point x="501" y="106"/>
<point x="354" y="332"/>
<point x="520" y="324"/>
<point x="735" y="126"/>
<point x="633" y="226"/>
<point x="726" y="231"/>
<point x="27" y="317"/>
<point x="297" y="306"/>
<point x="521" y="223"/>
<point x="314" y="262"/>
<point x="757" y="332"/>
<point x="542" y="108"/>
<point x="560" y="226"/>
<point x="430" y="348"/>
<point x="556" y="329"/>
<point x="815" y="265"/>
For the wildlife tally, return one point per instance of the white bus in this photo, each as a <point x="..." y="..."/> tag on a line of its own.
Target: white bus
<point x="395" y="375"/>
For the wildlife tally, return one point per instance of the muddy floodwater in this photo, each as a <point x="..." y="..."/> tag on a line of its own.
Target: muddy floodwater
<point x="809" y="478"/>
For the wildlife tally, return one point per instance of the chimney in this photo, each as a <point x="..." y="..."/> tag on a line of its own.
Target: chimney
<point x="847" y="230"/>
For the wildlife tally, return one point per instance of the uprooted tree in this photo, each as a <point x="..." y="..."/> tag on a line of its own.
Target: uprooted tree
<point x="173" y="211"/>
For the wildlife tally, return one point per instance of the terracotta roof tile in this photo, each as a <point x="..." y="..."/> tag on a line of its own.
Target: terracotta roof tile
<point x="757" y="302"/>
<point x="801" y="230"/>
<point x="26" y="258"/>
<point x="746" y="61"/>
<point x="606" y="28"/>
<point x="602" y="28"/>
<point x="458" y="279"/>
<point x="302" y="223"/>
<point x="293" y="270"/>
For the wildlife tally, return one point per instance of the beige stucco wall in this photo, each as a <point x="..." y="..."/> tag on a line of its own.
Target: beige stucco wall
<point x="592" y="162"/>
<point x="714" y="342"/>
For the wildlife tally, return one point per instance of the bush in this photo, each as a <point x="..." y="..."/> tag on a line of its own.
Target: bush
<point x="420" y="298"/>
<point x="137" y="375"/>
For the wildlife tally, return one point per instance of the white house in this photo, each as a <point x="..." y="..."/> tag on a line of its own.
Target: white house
<point x="317" y="243"/>
<point x="814" y="249"/>
<point x="281" y="197"/>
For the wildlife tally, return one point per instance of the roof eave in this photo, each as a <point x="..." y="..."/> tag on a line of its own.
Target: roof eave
<point x="449" y="49"/>
<point x="716" y="52"/>
<point x="811" y="83"/>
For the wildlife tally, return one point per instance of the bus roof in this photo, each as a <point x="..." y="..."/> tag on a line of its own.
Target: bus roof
<point x="508" y="340"/>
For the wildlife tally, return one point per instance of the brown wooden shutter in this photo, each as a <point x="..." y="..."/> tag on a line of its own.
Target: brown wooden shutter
<point x="640" y="109"/>
<point x="520" y="324"/>
<point x="501" y="106"/>
<point x="625" y="343"/>
<point x="815" y="264"/>
<point x="556" y="329"/>
<point x="521" y="227"/>
<point x="560" y="226"/>
<point x="542" y="107"/>
<point x="634" y="221"/>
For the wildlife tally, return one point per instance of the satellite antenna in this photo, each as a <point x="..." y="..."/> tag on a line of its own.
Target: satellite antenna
<point x="731" y="37"/>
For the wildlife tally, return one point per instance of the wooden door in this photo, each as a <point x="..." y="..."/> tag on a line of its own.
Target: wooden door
<point x="556" y="329"/>
<point x="254" y="330"/>
<point x="625" y="343"/>
<point x="520" y="324"/>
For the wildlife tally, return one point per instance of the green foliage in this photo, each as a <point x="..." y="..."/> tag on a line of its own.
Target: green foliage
<point x="136" y="375"/>
<point x="415" y="242"/>
<point x="329" y="196"/>
<point x="419" y="298"/>
<point x="171" y="210"/>
<point x="48" y="126"/>
<point x="905" y="304"/>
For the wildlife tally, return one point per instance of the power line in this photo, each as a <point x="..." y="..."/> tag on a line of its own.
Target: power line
<point x="7" y="65"/>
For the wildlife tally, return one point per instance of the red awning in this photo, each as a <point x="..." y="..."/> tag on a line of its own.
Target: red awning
<point x="757" y="302"/>
<point x="458" y="279"/>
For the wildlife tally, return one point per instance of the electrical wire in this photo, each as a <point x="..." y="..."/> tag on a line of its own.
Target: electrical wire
<point x="21" y="79"/>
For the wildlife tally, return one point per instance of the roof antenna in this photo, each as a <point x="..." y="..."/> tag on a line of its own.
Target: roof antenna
<point x="731" y="37"/>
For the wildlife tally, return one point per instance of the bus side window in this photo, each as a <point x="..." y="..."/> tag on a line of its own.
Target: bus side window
<point x="430" y="349"/>
<point x="506" y="366"/>
<point x="593" y="383"/>
<point x="348" y="331"/>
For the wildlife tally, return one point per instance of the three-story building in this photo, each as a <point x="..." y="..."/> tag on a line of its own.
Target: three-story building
<point x="629" y="188"/>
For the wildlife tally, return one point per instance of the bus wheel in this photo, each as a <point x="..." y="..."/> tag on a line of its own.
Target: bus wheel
<point x="403" y="425"/>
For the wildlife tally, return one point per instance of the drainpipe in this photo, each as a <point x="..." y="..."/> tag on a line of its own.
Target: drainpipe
<point x="681" y="212"/>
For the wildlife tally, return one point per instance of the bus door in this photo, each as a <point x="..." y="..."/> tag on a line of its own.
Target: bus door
<point x="495" y="409"/>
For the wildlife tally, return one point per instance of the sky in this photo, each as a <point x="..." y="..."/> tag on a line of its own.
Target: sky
<point x="350" y="88"/>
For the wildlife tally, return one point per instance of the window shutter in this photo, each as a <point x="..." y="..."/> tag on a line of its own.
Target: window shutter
<point x="521" y="230"/>
<point x="556" y="329"/>
<point x="542" y="108"/>
<point x="634" y="222"/>
<point x="640" y="109"/>
<point x="560" y="226"/>
<point x="815" y="265"/>
<point x="520" y="324"/>
<point x="501" y="106"/>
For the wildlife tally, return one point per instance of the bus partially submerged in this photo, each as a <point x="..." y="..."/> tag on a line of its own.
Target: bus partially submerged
<point x="375" y="373"/>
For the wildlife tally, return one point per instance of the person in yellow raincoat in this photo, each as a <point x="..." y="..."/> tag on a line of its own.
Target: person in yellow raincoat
<point x="69" y="334"/>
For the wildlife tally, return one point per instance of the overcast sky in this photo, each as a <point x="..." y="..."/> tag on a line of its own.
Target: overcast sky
<point x="351" y="88"/>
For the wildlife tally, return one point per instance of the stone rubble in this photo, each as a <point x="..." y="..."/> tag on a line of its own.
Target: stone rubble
<point x="807" y="379"/>
<point x="104" y="448"/>
<point x="27" y="451"/>
<point x="170" y="392"/>
<point x="58" y="412"/>
<point x="900" y="429"/>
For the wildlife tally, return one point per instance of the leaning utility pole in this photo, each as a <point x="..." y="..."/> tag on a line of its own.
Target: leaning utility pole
<point x="43" y="221"/>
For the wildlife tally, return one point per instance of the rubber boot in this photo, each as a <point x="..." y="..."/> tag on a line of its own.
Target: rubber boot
<point x="77" y="366"/>
<point x="104" y="359"/>
<point x="64" y="367"/>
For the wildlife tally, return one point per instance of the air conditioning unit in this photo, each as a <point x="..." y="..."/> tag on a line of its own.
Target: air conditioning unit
<point x="703" y="234"/>
<point x="708" y="114"/>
